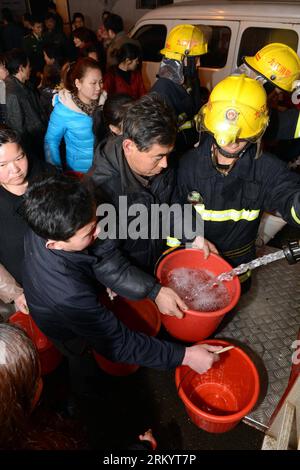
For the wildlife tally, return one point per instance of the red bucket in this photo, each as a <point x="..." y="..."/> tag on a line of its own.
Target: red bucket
<point x="218" y="399"/>
<point x="137" y="315"/>
<point x="195" y="325"/>
<point x="50" y="357"/>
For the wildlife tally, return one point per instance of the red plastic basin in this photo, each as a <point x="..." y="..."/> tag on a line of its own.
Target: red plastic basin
<point x="195" y="325"/>
<point x="50" y="357"/>
<point x="138" y="315"/>
<point x="218" y="399"/>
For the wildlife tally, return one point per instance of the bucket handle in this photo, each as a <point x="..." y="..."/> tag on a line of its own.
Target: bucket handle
<point x="183" y="378"/>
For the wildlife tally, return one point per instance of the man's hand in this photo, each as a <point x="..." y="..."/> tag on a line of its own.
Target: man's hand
<point x="200" y="357"/>
<point x="169" y="303"/>
<point x="21" y="304"/>
<point x="201" y="243"/>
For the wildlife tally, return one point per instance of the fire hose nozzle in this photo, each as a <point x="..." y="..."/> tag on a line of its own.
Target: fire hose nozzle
<point x="292" y="251"/>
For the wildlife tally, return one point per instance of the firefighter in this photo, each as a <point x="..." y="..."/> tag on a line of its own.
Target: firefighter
<point x="277" y="66"/>
<point x="178" y="81"/>
<point x="235" y="181"/>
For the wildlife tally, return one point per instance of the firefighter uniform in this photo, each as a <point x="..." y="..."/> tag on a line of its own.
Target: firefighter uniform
<point x="178" y="82"/>
<point x="234" y="181"/>
<point x="233" y="204"/>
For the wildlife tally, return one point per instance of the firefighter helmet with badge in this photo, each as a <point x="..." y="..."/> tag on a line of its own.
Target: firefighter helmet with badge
<point x="237" y="109"/>
<point x="184" y="40"/>
<point x="277" y="63"/>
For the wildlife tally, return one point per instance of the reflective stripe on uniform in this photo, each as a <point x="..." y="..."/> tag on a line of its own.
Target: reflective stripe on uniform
<point x="172" y="242"/>
<point x="294" y="215"/>
<point x="245" y="276"/>
<point x="239" y="251"/>
<point x="229" y="214"/>
<point x="186" y="125"/>
<point x="297" y="131"/>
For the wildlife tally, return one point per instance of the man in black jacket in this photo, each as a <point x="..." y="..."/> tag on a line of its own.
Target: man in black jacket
<point x="24" y="112"/>
<point x="61" y="289"/>
<point x="135" y="165"/>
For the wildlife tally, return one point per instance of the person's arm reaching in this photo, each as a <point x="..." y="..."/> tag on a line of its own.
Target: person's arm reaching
<point x="115" y="271"/>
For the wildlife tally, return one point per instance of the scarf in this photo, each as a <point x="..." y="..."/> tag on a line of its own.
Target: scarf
<point x="86" y="108"/>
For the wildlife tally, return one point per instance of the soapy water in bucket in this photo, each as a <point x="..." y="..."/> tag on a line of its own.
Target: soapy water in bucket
<point x="199" y="289"/>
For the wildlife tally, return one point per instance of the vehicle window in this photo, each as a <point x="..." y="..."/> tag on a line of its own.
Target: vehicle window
<point x="254" y="39"/>
<point x="218" y="45"/>
<point x="147" y="4"/>
<point x="152" y="39"/>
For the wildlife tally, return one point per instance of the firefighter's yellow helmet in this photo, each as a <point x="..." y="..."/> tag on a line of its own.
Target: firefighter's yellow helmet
<point x="237" y="109"/>
<point x="184" y="40"/>
<point x="278" y="63"/>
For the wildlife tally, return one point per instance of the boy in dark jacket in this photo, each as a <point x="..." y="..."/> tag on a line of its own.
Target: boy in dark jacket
<point x="62" y="291"/>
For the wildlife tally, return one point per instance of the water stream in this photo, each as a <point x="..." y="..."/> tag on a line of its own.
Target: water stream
<point x="203" y="291"/>
<point x="256" y="263"/>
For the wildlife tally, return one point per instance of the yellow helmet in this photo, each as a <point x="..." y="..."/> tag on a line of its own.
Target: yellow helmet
<point x="184" y="40"/>
<point x="237" y="109"/>
<point x="278" y="63"/>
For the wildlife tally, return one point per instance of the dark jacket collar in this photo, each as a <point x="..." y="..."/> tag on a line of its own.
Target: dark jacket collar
<point x="110" y="162"/>
<point x="242" y="168"/>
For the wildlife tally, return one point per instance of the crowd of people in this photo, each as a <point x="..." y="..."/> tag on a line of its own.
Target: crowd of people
<point x="78" y="129"/>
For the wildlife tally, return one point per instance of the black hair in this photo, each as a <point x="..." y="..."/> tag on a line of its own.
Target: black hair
<point x="150" y="120"/>
<point x="50" y="16"/>
<point x="85" y="35"/>
<point x="27" y="17"/>
<point x="57" y="206"/>
<point x="3" y="59"/>
<point x="7" y="15"/>
<point x="53" y="52"/>
<point x="105" y="13"/>
<point x="112" y="112"/>
<point x="51" y="76"/>
<point x="77" y="14"/>
<point x="35" y="19"/>
<point x="8" y="135"/>
<point x="52" y="5"/>
<point x="15" y="59"/>
<point x="114" y="22"/>
<point x="127" y="51"/>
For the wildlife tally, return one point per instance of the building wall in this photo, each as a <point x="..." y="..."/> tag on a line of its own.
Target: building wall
<point x="92" y="9"/>
<point x="18" y="7"/>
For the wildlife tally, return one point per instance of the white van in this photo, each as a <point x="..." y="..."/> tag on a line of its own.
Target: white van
<point x="234" y="29"/>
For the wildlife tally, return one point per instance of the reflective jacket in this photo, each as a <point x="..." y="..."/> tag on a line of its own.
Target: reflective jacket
<point x="233" y="204"/>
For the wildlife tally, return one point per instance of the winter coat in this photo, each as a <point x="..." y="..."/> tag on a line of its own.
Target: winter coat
<point x="112" y="174"/>
<point x="127" y="266"/>
<point x="71" y="123"/>
<point x="115" y="83"/>
<point x="63" y="299"/>
<point x="13" y="225"/>
<point x="25" y="114"/>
